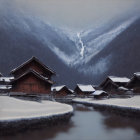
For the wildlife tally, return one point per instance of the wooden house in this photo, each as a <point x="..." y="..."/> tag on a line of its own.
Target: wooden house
<point x="5" y="80"/>
<point x="134" y="83"/>
<point x="61" y="91"/>
<point x="82" y="90"/>
<point x="32" y="77"/>
<point x="34" y="64"/>
<point x="112" y="83"/>
<point x="32" y="82"/>
<point x="99" y="94"/>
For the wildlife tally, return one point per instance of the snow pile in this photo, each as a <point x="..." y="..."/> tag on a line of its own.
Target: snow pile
<point x="131" y="103"/>
<point x="86" y="88"/>
<point x="12" y="109"/>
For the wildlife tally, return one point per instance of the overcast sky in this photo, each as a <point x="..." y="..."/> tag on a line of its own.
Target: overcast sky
<point x="79" y="14"/>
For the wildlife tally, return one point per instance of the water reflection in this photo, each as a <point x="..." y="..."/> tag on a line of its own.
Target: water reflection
<point x="41" y="134"/>
<point x="114" y="122"/>
<point x="83" y="108"/>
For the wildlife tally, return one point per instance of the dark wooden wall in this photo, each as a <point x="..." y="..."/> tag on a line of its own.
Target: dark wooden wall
<point x="62" y="92"/>
<point x="31" y="84"/>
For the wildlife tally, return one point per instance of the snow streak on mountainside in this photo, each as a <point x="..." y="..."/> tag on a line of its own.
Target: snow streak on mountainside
<point x="94" y="46"/>
<point x="88" y="48"/>
<point x="22" y="37"/>
<point x="76" y="56"/>
<point x="81" y="45"/>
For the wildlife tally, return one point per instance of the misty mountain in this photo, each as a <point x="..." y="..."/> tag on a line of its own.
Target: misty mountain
<point x="24" y="36"/>
<point x="121" y="56"/>
<point x="83" y="57"/>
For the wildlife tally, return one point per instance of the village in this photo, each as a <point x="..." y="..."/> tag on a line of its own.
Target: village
<point x="69" y="70"/>
<point x="33" y="78"/>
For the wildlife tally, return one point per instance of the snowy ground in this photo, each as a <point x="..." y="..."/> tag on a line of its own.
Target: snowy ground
<point x="12" y="109"/>
<point x="131" y="103"/>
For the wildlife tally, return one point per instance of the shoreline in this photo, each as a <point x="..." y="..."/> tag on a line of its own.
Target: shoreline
<point x="20" y="115"/>
<point x="21" y="125"/>
<point x="127" y="111"/>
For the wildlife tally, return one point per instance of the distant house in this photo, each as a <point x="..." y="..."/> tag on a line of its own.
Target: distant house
<point x="112" y="83"/>
<point x="32" y="77"/>
<point x="5" y="80"/>
<point x="84" y="89"/>
<point x="5" y="88"/>
<point x="134" y="83"/>
<point x="5" y="84"/>
<point x="99" y="94"/>
<point x="61" y="91"/>
<point x="124" y="89"/>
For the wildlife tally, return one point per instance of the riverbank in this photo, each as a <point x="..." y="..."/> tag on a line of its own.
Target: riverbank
<point x="17" y="115"/>
<point x="125" y="107"/>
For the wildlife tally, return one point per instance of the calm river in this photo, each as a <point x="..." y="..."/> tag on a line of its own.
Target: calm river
<point x="86" y="124"/>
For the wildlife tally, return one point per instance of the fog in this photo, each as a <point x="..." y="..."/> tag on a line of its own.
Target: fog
<point x="79" y="14"/>
<point x="75" y="14"/>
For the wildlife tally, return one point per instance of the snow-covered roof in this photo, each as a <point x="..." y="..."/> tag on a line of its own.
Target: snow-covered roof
<point x="57" y="88"/>
<point x="30" y="60"/>
<point x="36" y="74"/>
<point x="123" y="88"/>
<point x="71" y="90"/>
<point x="94" y="86"/>
<point x="5" y="87"/>
<point x="86" y="88"/>
<point x="137" y="73"/>
<point x="98" y="92"/>
<point x="119" y="79"/>
<point x="135" y="76"/>
<point x="6" y="79"/>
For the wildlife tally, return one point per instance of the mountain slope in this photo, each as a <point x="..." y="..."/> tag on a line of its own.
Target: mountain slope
<point x="122" y="54"/>
<point x="24" y="36"/>
<point x="85" y="57"/>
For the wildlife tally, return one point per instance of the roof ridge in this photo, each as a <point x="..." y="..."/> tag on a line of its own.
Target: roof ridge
<point x="35" y="73"/>
<point x="28" y="61"/>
